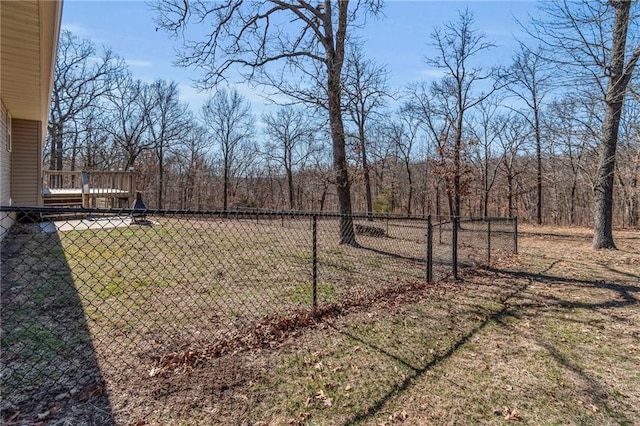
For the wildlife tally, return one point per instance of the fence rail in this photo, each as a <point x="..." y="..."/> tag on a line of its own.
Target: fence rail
<point x="106" y="292"/>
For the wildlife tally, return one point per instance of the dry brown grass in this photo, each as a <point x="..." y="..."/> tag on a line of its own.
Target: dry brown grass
<point x="546" y="337"/>
<point x="563" y="349"/>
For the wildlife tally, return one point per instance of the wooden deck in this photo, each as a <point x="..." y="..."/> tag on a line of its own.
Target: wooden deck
<point x="108" y="189"/>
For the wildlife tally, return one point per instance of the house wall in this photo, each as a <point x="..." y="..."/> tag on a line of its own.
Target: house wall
<point x="5" y="156"/>
<point x="25" y="162"/>
<point x="6" y="219"/>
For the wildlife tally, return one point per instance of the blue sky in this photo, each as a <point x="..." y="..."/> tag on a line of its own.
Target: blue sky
<point x="398" y="40"/>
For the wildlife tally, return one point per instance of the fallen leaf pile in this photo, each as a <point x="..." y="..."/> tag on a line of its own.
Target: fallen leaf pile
<point x="273" y="330"/>
<point x="509" y="414"/>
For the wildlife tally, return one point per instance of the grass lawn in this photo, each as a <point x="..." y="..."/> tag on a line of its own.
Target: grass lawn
<point x="550" y="336"/>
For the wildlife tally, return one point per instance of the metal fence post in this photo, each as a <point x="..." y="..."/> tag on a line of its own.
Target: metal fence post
<point x="515" y="235"/>
<point x="454" y="247"/>
<point x="488" y="241"/>
<point x="315" y="261"/>
<point x="429" y="250"/>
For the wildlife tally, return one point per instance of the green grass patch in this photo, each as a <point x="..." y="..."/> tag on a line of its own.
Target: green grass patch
<point x="303" y="292"/>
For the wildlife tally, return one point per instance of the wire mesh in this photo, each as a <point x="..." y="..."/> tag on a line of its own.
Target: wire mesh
<point x="97" y="295"/>
<point x="481" y="239"/>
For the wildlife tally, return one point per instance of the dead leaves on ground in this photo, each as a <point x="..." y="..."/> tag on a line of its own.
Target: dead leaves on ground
<point x="43" y="414"/>
<point x="91" y="391"/>
<point x="322" y="397"/>
<point x="509" y="414"/>
<point x="273" y="330"/>
<point x="591" y="407"/>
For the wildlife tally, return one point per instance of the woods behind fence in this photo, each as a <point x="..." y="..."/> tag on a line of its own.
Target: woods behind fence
<point x="122" y="288"/>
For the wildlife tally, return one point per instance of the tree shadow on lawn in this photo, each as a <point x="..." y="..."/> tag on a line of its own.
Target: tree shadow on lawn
<point x="603" y="313"/>
<point x="420" y="370"/>
<point x="393" y="255"/>
<point x="624" y="295"/>
<point x="49" y="367"/>
<point x="625" y="292"/>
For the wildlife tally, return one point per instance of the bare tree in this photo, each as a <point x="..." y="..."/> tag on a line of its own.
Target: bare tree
<point x="128" y="106"/>
<point x="382" y="152"/>
<point x="529" y="81"/>
<point x="487" y="128"/>
<point x="433" y="108"/>
<point x="193" y="167"/>
<point x="229" y="123"/>
<point x="81" y="78"/>
<point x="512" y="139"/>
<point x="451" y="98"/>
<point x="168" y="121"/>
<point x="569" y="132"/>
<point x="403" y="133"/>
<point x="97" y="152"/>
<point x="366" y="90"/>
<point x="252" y="37"/>
<point x="292" y="141"/>
<point x="590" y="38"/>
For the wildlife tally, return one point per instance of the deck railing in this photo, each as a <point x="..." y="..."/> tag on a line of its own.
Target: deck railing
<point x="104" y="188"/>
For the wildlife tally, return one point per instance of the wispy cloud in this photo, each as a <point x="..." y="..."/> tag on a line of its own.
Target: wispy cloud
<point x="135" y="63"/>
<point x="192" y="96"/>
<point x="75" y="28"/>
<point x="432" y="73"/>
<point x="196" y="98"/>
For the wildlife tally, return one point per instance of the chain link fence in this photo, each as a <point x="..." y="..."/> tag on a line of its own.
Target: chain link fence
<point x="92" y="296"/>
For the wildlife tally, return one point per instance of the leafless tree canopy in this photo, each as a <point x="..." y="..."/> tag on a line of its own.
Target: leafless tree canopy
<point x="254" y="34"/>
<point x="546" y="137"/>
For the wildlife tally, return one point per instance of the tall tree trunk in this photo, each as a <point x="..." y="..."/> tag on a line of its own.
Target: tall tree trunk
<point x="160" y="174"/>
<point x="510" y="194"/>
<point x="603" y="220"/>
<point x="323" y="196"/>
<point x="572" y="203"/>
<point x="55" y="160"/>
<point x="410" y="181"/>
<point x="334" y="86"/>
<point x="74" y="157"/>
<point x="225" y="184"/>
<point x="290" y="188"/>
<point x="485" y="183"/>
<point x="456" y="176"/>
<point x="59" y="151"/>
<point x="365" y="170"/>
<point x="618" y="80"/>
<point x="438" y="201"/>
<point x="536" y="123"/>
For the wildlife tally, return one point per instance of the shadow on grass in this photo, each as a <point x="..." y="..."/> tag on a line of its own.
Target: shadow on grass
<point x="392" y="255"/>
<point x="624" y="296"/>
<point x="420" y="371"/>
<point x="49" y="367"/>
<point x="619" y="272"/>
<point x="626" y="293"/>
<point x="444" y="264"/>
<point x="594" y="387"/>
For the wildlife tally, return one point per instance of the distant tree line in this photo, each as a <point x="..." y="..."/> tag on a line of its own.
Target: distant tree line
<point x="545" y="137"/>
